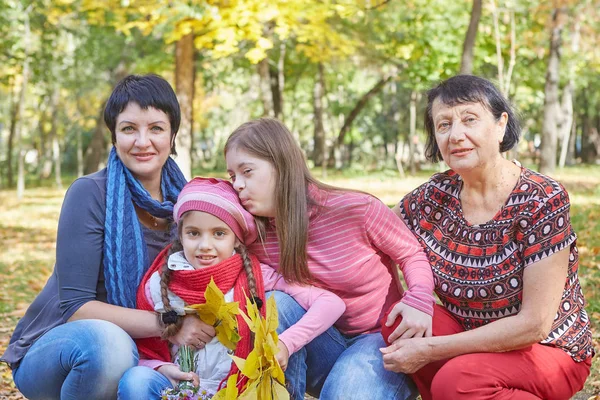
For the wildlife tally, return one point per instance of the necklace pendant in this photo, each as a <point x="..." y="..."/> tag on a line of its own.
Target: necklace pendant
<point x="155" y="223"/>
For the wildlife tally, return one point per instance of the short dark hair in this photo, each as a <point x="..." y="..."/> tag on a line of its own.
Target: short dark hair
<point x="147" y="91"/>
<point x="461" y="89"/>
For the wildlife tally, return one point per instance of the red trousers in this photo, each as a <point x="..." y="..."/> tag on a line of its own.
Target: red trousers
<point x="536" y="372"/>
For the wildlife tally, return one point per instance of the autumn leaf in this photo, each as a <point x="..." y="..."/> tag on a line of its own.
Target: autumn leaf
<point x="229" y="392"/>
<point x="220" y="314"/>
<point x="266" y="379"/>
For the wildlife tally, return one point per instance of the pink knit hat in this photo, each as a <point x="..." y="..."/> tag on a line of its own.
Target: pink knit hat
<point x="219" y="198"/>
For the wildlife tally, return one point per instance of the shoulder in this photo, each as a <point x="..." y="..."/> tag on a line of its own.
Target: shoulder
<point x="89" y="185"/>
<point x="539" y="187"/>
<point x="447" y="182"/>
<point x="87" y="192"/>
<point x="344" y="200"/>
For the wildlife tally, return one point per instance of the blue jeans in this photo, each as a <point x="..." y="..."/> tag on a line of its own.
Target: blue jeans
<point x="142" y="383"/>
<point x="78" y="360"/>
<point x="337" y="367"/>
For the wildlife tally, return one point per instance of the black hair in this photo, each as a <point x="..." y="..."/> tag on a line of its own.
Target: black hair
<point x="146" y="91"/>
<point x="463" y="89"/>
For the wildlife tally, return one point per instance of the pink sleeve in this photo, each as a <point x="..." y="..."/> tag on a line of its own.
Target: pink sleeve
<point x="322" y="307"/>
<point x="390" y="234"/>
<point x="154" y="364"/>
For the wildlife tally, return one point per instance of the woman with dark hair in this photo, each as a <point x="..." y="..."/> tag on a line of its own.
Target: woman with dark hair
<point x="75" y="341"/>
<point x="512" y="324"/>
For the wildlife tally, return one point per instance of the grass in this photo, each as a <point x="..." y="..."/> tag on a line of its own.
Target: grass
<point x="28" y="234"/>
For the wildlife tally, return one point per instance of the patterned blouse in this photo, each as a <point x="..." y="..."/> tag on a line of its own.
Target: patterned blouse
<point x="478" y="269"/>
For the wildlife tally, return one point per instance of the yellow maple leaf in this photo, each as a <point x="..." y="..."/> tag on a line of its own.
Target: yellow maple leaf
<point x="229" y="392"/>
<point x="220" y="314"/>
<point x="266" y="379"/>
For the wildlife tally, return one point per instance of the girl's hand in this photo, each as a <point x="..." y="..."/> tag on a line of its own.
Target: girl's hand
<point x="283" y="355"/>
<point x="174" y="374"/>
<point x="414" y="323"/>
<point x="193" y="332"/>
<point x="406" y="356"/>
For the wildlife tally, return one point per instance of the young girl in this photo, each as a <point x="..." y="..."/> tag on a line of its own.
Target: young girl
<point x="213" y="231"/>
<point x="343" y="241"/>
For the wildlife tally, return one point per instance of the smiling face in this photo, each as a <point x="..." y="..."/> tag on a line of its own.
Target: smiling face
<point x="143" y="140"/>
<point x="467" y="135"/>
<point x="206" y="240"/>
<point x="254" y="180"/>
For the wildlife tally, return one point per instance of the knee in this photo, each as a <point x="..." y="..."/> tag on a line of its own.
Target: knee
<point x="461" y="379"/>
<point x="359" y="374"/>
<point x="288" y="309"/>
<point x="106" y="349"/>
<point x="142" y="383"/>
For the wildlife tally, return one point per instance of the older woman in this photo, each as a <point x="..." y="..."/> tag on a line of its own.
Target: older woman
<point x="502" y="249"/>
<point x="75" y="339"/>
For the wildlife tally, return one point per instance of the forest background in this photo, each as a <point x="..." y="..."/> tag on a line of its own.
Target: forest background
<point x="348" y="77"/>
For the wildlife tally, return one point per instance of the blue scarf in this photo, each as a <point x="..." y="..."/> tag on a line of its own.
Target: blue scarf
<point x="125" y="252"/>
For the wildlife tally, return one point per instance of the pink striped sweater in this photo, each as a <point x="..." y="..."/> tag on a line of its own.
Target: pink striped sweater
<point x="353" y="243"/>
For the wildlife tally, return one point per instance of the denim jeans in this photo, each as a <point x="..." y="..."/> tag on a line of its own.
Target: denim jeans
<point x="142" y="383"/>
<point x="337" y="367"/>
<point x="78" y="360"/>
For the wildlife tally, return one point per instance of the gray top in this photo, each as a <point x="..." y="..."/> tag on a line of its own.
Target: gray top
<point x="78" y="275"/>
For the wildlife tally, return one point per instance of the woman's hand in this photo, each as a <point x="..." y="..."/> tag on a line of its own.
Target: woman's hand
<point x="406" y="355"/>
<point x="174" y="374"/>
<point x="414" y="323"/>
<point x="283" y="355"/>
<point x="193" y="332"/>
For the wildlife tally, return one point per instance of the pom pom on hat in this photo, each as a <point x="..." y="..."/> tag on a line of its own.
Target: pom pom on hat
<point x="219" y="198"/>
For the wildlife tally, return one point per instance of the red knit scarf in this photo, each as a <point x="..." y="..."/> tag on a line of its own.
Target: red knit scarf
<point x="190" y="286"/>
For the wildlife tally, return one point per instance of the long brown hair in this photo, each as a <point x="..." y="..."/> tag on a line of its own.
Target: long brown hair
<point x="165" y="278"/>
<point x="270" y="140"/>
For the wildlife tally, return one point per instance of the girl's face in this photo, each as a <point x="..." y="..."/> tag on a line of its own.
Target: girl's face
<point x="206" y="239"/>
<point x="254" y="180"/>
<point x="143" y="140"/>
<point x="467" y="135"/>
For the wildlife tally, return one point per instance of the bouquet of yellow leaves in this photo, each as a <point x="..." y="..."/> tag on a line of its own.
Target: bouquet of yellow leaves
<point x="220" y="314"/>
<point x="266" y="380"/>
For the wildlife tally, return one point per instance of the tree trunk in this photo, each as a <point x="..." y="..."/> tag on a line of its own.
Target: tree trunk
<point x="184" y="86"/>
<point x="571" y="157"/>
<point x="551" y="105"/>
<point x="567" y="128"/>
<point x="281" y="77"/>
<point x="79" y="153"/>
<point x="21" y="173"/>
<point x="56" y="160"/>
<point x="566" y="122"/>
<point x="19" y="119"/>
<point x="349" y="119"/>
<point x="277" y="82"/>
<point x="266" y="94"/>
<point x="414" y="98"/>
<point x="53" y="137"/>
<point x="319" y="131"/>
<point x="466" y="64"/>
<point x="14" y="115"/>
<point x="588" y="151"/>
<point x="96" y="150"/>
<point x="45" y="147"/>
<point x="397" y="129"/>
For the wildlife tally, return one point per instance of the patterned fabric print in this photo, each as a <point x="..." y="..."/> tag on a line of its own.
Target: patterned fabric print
<point x="478" y="269"/>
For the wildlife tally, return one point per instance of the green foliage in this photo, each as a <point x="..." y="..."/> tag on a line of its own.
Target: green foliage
<point x="79" y="48"/>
